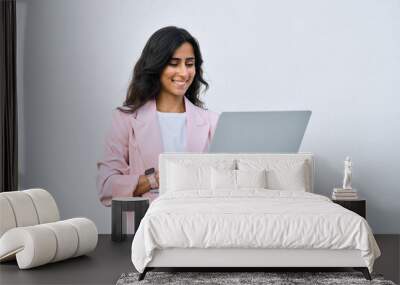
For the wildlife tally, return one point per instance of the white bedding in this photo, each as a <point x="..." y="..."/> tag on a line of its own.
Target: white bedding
<point x="250" y="218"/>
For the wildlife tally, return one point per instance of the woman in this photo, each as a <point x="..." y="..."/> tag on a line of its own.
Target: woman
<point x="162" y="112"/>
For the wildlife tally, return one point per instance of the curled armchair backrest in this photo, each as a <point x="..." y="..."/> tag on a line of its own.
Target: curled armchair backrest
<point x="26" y="208"/>
<point x="31" y="231"/>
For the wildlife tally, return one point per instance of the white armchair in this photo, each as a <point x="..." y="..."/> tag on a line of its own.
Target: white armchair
<point x="31" y="232"/>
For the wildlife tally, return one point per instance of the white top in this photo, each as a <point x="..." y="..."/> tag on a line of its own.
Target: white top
<point x="173" y="131"/>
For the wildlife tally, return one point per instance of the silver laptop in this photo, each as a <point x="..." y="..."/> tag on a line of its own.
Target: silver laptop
<point x="264" y="132"/>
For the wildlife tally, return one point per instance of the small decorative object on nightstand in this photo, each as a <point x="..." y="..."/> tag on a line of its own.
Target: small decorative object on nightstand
<point x="358" y="206"/>
<point x="138" y="205"/>
<point x="348" y="165"/>
<point x="346" y="192"/>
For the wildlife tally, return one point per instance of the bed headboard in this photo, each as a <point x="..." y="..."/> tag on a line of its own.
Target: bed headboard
<point x="236" y="159"/>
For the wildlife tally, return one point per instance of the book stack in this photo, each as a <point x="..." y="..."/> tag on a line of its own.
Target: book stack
<point x="344" y="194"/>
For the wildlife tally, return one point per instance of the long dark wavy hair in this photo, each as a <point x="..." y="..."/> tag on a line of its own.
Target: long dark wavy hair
<point x="159" y="49"/>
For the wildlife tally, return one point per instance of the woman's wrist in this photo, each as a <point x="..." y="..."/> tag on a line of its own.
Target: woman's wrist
<point x="151" y="177"/>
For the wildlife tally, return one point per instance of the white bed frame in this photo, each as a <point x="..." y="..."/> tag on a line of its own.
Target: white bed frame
<point x="250" y="258"/>
<point x="234" y="257"/>
<point x="256" y="258"/>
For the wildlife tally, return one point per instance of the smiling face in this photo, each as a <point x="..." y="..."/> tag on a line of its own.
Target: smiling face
<point x="179" y="72"/>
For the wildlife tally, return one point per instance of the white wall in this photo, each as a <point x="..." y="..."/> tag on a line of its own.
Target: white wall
<point x="340" y="59"/>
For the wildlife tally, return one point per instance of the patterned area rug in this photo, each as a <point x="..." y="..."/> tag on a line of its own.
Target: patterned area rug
<point x="269" y="278"/>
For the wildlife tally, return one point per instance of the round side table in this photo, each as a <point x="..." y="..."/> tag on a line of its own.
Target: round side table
<point x="119" y="205"/>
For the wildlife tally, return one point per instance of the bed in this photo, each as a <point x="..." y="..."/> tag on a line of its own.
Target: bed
<point x="247" y="210"/>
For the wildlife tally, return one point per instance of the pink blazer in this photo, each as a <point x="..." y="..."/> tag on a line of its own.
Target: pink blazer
<point x="134" y="143"/>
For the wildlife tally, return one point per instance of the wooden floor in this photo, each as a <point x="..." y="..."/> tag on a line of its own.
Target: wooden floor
<point x="110" y="260"/>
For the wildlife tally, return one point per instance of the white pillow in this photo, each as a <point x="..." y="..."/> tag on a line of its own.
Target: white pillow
<point x="182" y="177"/>
<point x="251" y="178"/>
<point x="193" y="174"/>
<point x="237" y="179"/>
<point x="223" y="179"/>
<point x="281" y="174"/>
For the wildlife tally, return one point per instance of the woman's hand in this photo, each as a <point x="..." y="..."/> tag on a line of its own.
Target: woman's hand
<point x="142" y="186"/>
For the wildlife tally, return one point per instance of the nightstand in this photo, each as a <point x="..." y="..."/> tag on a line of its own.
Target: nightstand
<point x="119" y="205"/>
<point x="358" y="206"/>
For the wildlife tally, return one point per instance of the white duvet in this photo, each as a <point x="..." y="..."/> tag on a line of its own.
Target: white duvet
<point x="251" y="218"/>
